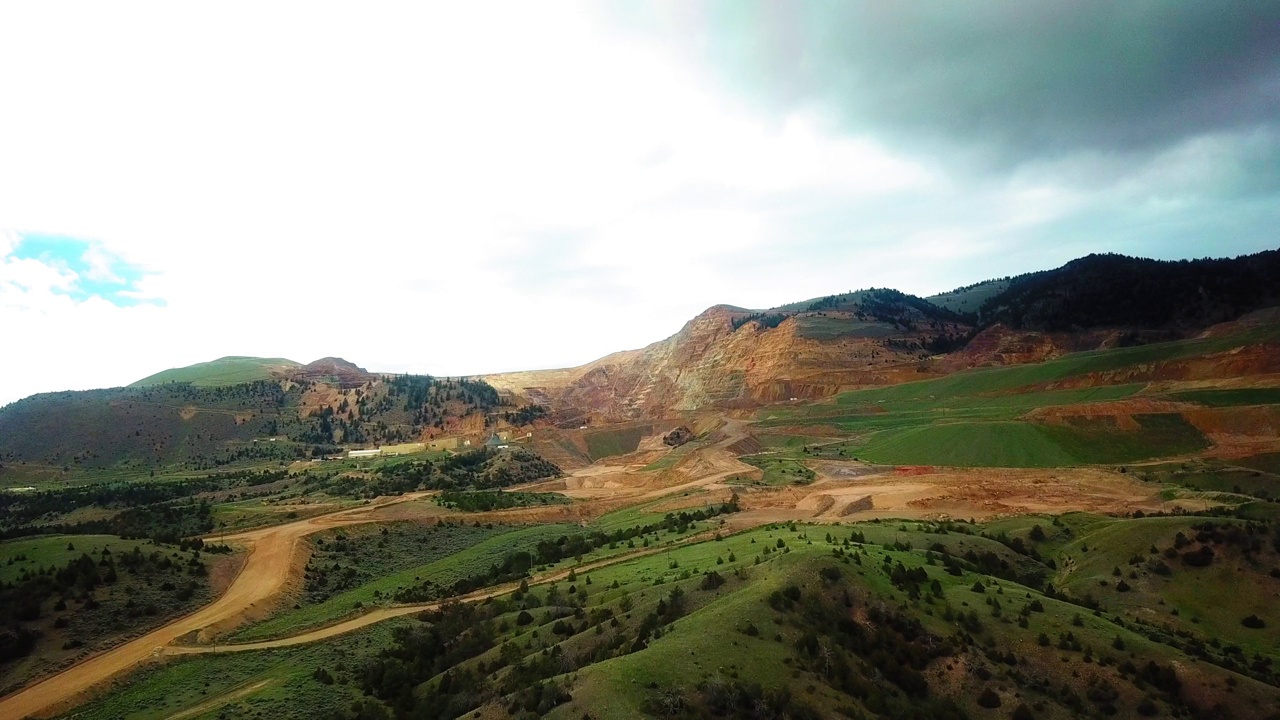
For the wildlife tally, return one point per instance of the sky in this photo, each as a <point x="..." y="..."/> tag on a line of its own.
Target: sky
<point x="463" y="188"/>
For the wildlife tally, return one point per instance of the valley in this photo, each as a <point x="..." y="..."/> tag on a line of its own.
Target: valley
<point x="862" y="505"/>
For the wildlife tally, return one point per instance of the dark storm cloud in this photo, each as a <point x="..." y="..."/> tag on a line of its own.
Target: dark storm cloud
<point x="1007" y="81"/>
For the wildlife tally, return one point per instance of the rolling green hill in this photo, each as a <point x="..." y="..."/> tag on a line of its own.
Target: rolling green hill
<point x="1035" y="617"/>
<point x="967" y="300"/>
<point x="230" y="370"/>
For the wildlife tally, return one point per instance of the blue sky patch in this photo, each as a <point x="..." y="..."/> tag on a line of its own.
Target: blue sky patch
<point x="97" y="271"/>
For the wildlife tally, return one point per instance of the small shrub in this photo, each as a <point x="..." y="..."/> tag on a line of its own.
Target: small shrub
<point x="988" y="699"/>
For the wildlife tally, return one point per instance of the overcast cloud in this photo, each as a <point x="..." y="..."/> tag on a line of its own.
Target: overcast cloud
<point x="477" y="187"/>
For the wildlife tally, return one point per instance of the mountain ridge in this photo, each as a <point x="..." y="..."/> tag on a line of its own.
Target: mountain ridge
<point x="726" y="358"/>
<point x="818" y="347"/>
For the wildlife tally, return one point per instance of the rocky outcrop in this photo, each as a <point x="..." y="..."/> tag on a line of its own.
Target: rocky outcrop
<point x="677" y="437"/>
<point x="334" y="371"/>
<point x="710" y="363"/>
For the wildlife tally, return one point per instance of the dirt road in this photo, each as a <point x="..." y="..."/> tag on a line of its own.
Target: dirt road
<point x="264" y="575"/>
<point x="387" y="613"/>
<point x="845" y="491"/>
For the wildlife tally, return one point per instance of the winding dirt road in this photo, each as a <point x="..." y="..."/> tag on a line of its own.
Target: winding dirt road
<point x="387" y="613"/>
<point x="840" y="492"/>
<point x="264" y="575"/>
<point x="271" y="552"/>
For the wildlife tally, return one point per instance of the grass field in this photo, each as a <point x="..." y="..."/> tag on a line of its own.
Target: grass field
<point x="454" y="553"/>
<point x="968" y="301"/>
<point x="1230" y="398"/>
<point x="754" y="624"/>
<point x="662" y="463"/>
<point x="1266" y="462"/>
<point x="267" y="684"/>
<point x="1215" y="476"/>
<point x="872" y="411"/>
<point x="251" y="513"/>
<point x="30" y="554"/>
<point x="712" y="643"/>
<point x="223" y="371"/>
<point x="825" y="327"/>
<point x="1021" y="377"/>
<point x="1024" y="444"/>
<point x="981" y="418"/>
<point x="780" y="471"/>
<point x="638" y="514"/>
<point x="607" y="443"/>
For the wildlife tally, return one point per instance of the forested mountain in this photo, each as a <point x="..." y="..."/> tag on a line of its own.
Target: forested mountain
<point x="1116" y="291"/>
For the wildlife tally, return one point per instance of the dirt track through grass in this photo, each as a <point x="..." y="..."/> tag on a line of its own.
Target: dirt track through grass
<point x="273" y="550"/>
<point x="263" y="577"/>
<point x="388" y="613"/>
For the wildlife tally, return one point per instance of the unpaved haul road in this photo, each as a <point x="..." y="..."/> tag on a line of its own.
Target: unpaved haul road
<point x="381" y="614"/>
<point x="264" y="575"/>
<point x="271" y="552"/>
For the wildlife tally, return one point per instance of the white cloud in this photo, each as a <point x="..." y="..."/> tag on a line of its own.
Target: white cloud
<point x="448" y="188"/>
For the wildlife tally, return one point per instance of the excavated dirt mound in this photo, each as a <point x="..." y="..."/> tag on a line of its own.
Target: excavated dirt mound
<point x="926" y="493"/>
<point x="746" y="446"/>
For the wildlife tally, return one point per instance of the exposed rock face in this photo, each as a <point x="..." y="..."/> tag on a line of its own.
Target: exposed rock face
<point x="336" y="371"/>
<point x="709" y="363"/>
<point x="678" y="437"/>
<point x="998" y="345"/>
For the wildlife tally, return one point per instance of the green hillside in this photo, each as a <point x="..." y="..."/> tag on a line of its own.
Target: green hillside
<point x="967" y="300"/>
<point x="990" y="417"/>
<point x="1026" y="444"/>
<point x="1037" y="617"/>
<point x="230" y="370"/>
<point x="201" y="426"/>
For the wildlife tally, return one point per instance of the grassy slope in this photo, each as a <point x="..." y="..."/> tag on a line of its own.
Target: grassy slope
<point x="58" y="550"/>
<point x="825" y="327"/>
<point x="968" y="301"/>
<point x="132" y="604"/>
<point x="993" y="380"/>
<point x="445" y="570"/>
<point x="779" y="471"/>
<point x="708" y="643"/>
<point x="606" y="443"/>
<point x="280" y="683"/>
<point x="223" y="371"/>
<point x="980" y="417"/>
<point x="1022" y="444"/>
<point x="1231" y="398"/>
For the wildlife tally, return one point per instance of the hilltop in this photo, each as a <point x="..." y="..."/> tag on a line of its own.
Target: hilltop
<point x="230" y="370"/>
